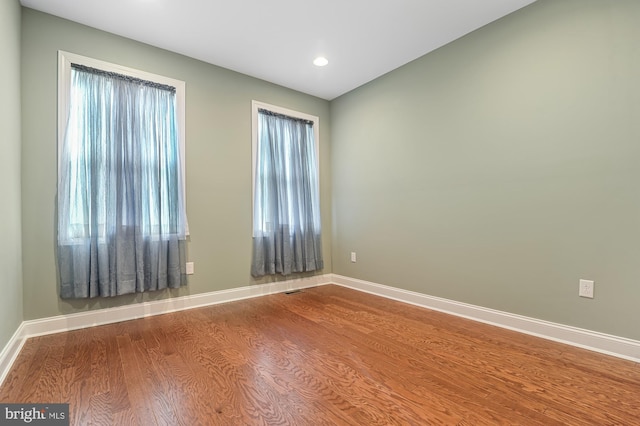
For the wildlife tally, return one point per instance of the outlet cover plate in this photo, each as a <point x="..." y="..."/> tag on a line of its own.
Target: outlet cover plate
<point x="586" y="289"/>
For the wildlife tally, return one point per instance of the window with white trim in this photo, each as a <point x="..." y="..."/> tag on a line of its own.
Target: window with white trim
<point x="286" y="196"/>
<point x="121" y="187"/>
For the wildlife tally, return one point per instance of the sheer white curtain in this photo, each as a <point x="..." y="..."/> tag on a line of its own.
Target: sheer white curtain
<point x="121" y="218"/>
<point x="286" y="217"/>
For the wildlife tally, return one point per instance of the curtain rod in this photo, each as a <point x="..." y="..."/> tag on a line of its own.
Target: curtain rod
<point x="149" y="83"/>
<point x="277" y="114"/>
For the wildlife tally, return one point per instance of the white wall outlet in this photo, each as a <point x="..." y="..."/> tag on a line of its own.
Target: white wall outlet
<point x="353" y="257"/>
<point x="586" y="289"/>
<point x="189" y="268"/>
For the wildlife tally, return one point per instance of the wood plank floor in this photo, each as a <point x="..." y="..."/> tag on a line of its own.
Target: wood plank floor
<point x="323" y="356"/>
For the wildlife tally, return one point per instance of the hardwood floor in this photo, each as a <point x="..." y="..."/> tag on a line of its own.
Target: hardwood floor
<point x="323" y="356"/>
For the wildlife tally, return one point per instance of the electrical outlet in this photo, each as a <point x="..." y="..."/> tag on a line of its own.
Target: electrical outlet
<point x="189" y="268"/>
<point x="353" y="257"/>
<point x="586" y="288"/>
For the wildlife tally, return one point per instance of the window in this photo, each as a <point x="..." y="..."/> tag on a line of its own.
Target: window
<point x="286" y="202"/>
<point x="121" y="203"/>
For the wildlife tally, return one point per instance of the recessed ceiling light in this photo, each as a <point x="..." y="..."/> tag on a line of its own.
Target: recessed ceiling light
<point x="320" y="61"/>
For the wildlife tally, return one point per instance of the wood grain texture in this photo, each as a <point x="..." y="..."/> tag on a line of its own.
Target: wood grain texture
<point x="323" y="356"/>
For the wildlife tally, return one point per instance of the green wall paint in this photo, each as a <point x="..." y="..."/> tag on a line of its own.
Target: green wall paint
<point x="10" y="223"/>
<point x="497" y="170"/>
<point x="502" y="168"/>
<point x="218" y="115"/>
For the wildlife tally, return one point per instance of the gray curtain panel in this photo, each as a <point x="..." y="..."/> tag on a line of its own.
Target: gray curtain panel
<point x="286" y="217"/>
<point x="121" y="218"/>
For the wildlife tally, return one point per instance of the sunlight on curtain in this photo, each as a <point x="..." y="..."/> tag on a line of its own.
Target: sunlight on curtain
<point x="121" y="218"/>
<point x="286" y="218"/>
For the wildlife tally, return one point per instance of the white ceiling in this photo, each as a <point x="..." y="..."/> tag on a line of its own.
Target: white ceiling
<point x="277" y="40"/>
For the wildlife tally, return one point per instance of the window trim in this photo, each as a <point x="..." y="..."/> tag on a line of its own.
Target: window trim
<point x="65" y="59"/>
<point x="257" y="105"/>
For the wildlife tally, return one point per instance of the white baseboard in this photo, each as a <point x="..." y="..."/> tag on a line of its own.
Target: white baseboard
<point x="611" y="345"/>
<point x="96" y="317"/>
<point x="140" y="310"/>
<point x="599" y="342"/>
<point x="11" y="351"/>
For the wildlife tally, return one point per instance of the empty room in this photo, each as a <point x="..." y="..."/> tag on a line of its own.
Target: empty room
<point x="343" y="213"/>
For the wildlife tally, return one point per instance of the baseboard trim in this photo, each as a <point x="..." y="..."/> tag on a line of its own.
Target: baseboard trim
<point x="61" y="323"/>
<point x="599" y="342"/>
<point x="141" y="310"/>
<point x="11" y="351"/>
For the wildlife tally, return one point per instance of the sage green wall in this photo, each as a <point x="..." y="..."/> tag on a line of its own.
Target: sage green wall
<point x="218" y="115"/>
<point x="502" y="168"/>
<point x="10" y="223"/>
